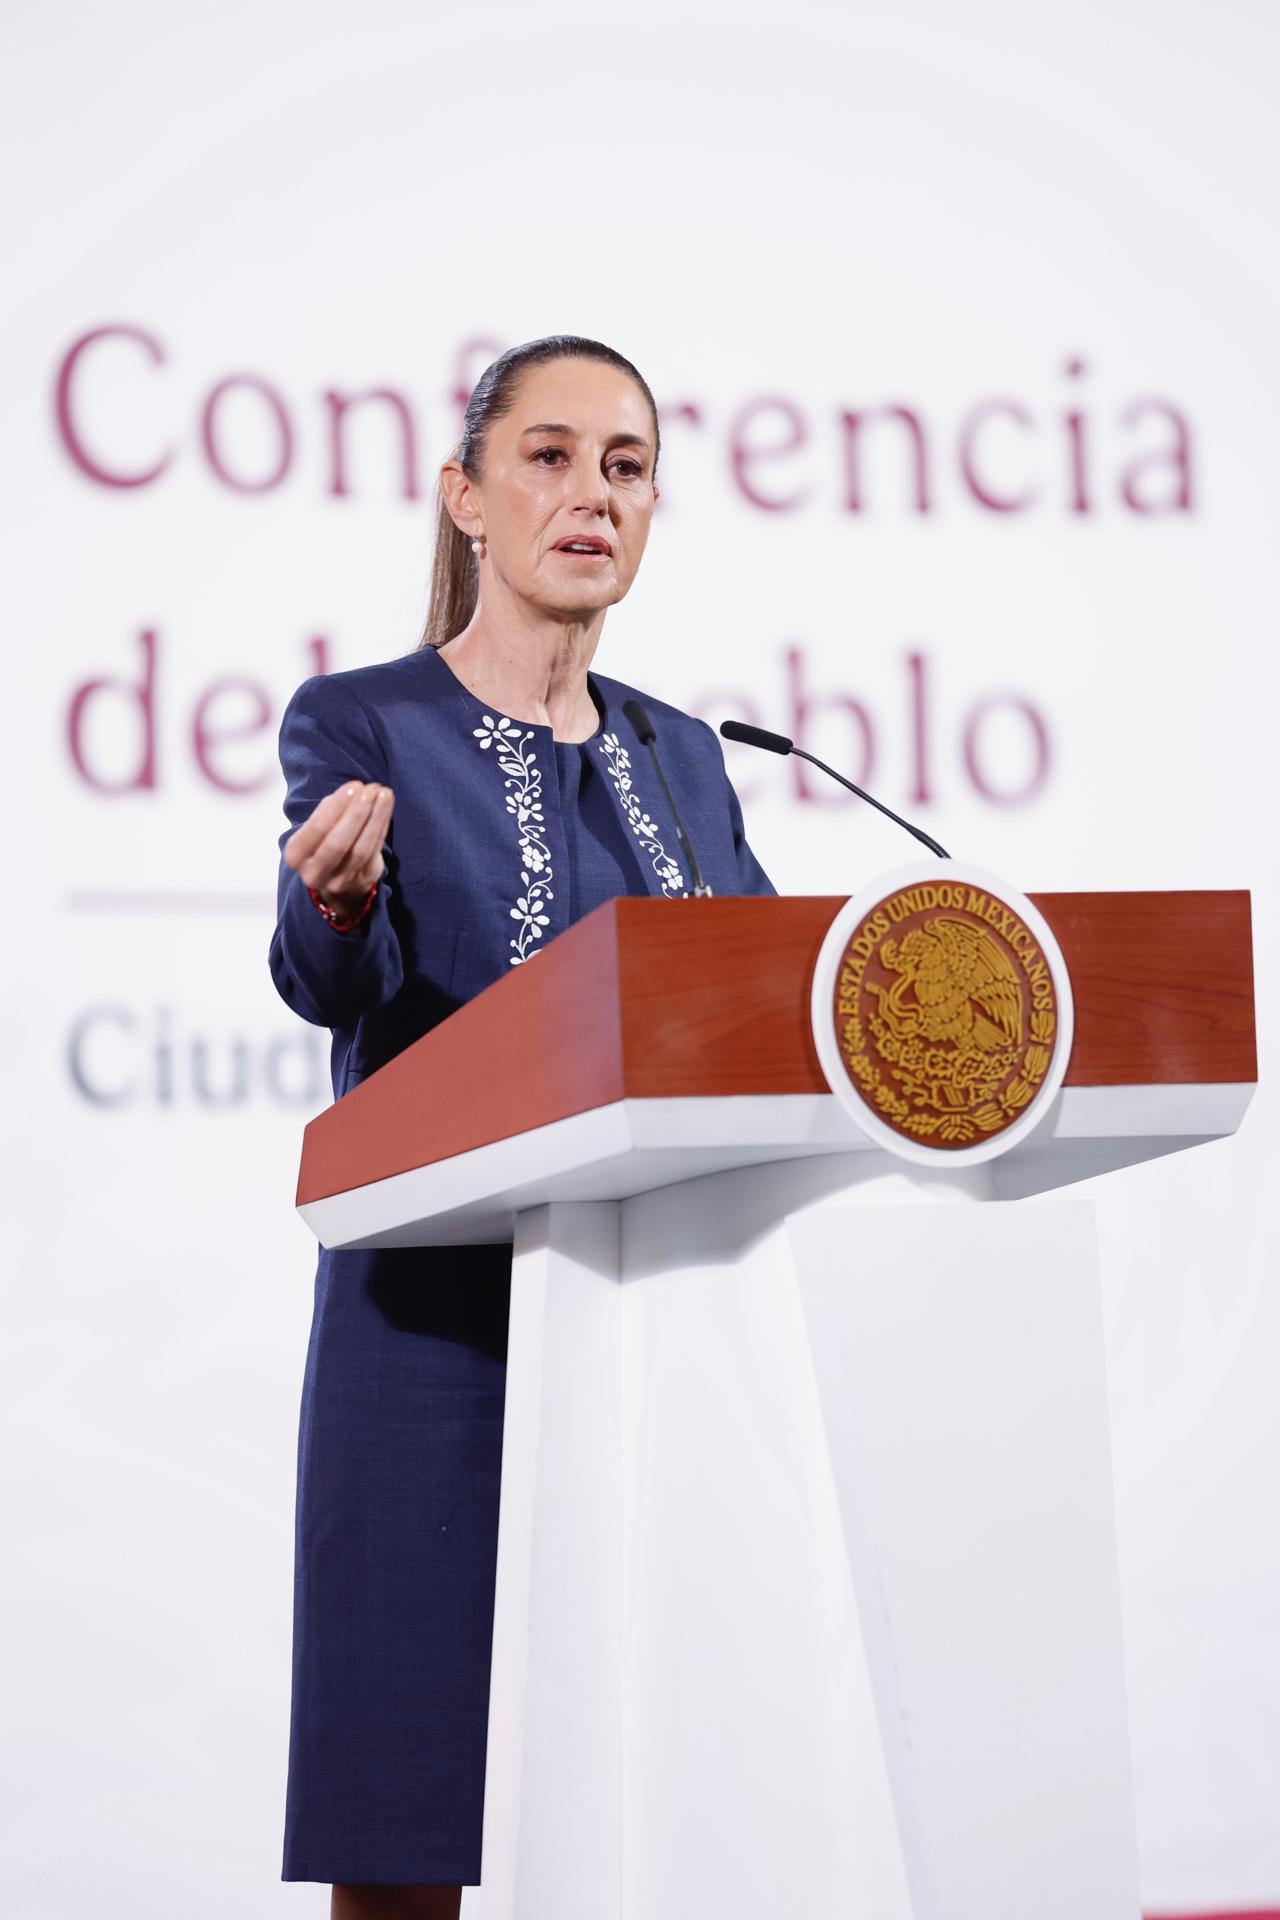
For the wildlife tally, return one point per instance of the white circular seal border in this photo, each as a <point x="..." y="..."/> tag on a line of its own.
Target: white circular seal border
<point x="826" y="972"/>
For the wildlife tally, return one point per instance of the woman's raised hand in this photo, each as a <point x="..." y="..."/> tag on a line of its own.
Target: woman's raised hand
<point x="338" y="848"/>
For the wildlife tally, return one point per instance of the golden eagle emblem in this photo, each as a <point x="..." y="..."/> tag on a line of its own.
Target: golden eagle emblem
<point x="946" y="1013"/>
<point x="955" y="984"/>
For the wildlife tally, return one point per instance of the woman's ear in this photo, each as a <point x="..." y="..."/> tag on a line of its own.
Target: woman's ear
<point x="459" y="497"/>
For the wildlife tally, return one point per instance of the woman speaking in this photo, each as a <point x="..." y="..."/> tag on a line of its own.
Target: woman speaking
<point x="450" y="813"/>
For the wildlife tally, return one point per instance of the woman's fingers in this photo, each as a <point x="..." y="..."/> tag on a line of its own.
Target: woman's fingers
<point x="367" y="852"/>
<point x="338" y="837"/>
<point x="321" y="847"/>
<point x="364" y="863"/>
<point x="304" y="840"/>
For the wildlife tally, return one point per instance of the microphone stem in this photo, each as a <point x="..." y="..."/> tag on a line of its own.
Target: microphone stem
<point x="871" y="800"/>
<point x="700" y="889"/>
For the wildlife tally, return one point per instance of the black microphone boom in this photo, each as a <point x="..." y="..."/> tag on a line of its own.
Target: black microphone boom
<point x="779" y="743"/>
<point x="648" y="738"/>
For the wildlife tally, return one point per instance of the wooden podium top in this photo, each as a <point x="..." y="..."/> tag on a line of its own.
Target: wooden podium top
<point x="659" y="999"/>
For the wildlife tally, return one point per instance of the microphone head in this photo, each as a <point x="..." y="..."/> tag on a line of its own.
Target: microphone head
<point x="640" y="721"/>
<point x="755" y="736"/>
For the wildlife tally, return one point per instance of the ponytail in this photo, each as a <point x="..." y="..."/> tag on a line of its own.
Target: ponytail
<point x="455" y="581"/>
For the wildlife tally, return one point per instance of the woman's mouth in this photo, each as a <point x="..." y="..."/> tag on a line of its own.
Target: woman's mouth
<point x="585" y="549"/>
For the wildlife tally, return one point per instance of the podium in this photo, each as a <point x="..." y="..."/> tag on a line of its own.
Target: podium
<point x="807" y="1594"/>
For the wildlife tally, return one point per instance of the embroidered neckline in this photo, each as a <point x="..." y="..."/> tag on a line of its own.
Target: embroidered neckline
<point x="618" y="761"/>
<point x="522" y="780"/>
<point x="523" y="784"/>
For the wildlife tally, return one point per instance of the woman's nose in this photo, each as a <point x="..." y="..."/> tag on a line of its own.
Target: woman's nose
<point x="591" y="493"/>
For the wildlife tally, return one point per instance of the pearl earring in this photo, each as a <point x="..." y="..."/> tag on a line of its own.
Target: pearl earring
<point x="477" y="546"/>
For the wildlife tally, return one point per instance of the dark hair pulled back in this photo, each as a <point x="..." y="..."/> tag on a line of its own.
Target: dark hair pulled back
<point x="455" y="571"/>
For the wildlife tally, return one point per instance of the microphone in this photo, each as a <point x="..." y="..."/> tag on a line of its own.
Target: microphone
<point x="779" y="743"/>
<point x="648" y="738"/>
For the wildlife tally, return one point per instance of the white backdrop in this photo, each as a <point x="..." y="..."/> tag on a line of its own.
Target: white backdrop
<point x="1032" y="252"/>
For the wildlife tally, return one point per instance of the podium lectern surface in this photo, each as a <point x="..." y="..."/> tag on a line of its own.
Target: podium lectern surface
<point x="657" y="1040"/>
<point x="807" y="1592"/>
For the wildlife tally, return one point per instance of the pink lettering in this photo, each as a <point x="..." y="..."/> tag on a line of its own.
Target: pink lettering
<point x="248" y="383"/>
<point x="1037" y="734"/>
<point x="339" y="405"/>
<point x="64" y="404"/>
<point x="853" y="424"/>
<point x="744" y="455"/>
<point x="1174" y="459"/>
<point x="137" y="698"/>
<point x="820" y="790"/>
<point x="969" y="429"/>
<point x="207" y="735"/>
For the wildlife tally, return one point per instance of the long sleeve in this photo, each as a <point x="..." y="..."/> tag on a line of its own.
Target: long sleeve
<point x="330" y="978"/>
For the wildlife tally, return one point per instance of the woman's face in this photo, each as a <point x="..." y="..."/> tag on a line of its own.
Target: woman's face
<point x="566" y="494"/>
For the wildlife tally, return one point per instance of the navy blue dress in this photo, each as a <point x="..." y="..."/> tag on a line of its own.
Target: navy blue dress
<point x="502" y="836"/>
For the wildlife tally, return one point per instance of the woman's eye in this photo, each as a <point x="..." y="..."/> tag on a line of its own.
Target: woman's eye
<point x="627" y="469"/>
<point x="549" y="454"/>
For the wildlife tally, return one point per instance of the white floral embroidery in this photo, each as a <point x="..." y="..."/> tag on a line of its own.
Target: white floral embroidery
<point x="524" y="800"/>
<point x="645" y="829"/>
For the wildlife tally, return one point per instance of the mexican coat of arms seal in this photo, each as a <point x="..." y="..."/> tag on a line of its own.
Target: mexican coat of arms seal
<point x="942" y="1012"/>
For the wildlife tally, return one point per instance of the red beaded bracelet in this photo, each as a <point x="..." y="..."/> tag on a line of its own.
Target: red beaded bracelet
<point x="340" y="922"/>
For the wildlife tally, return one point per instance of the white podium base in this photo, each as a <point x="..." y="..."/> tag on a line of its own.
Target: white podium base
<point x="807" y="1596"/>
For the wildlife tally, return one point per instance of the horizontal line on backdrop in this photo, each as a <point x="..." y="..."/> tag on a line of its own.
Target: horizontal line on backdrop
<point x="1219" y="1913"/>
<point x="171" y="902"/>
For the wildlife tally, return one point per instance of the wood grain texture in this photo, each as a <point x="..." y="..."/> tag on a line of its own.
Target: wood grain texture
<point x="717" y="1002"/>
<point x="1163" y="986"/>
<point x="540" y="1044"/>
<point x="668" y="999"/>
